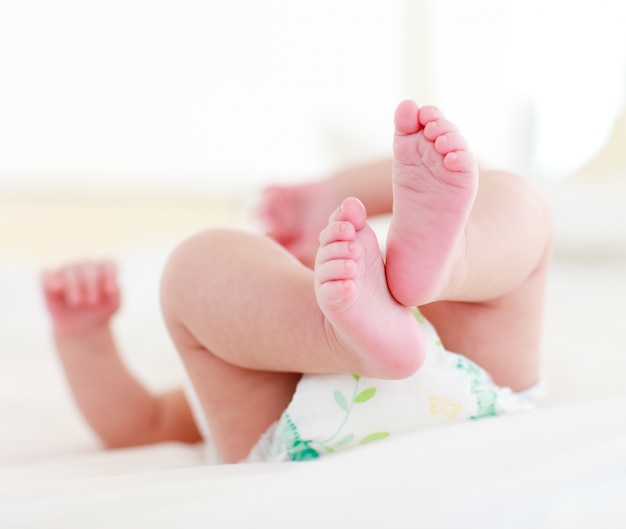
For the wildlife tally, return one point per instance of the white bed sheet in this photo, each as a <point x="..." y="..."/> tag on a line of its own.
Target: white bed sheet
<point x="562" y="466"/>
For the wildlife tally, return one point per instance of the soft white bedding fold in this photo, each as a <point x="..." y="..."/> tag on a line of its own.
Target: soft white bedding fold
<point x="562" y="467"/>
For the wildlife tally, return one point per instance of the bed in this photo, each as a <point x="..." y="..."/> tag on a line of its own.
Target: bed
<point x="563" y="465"/>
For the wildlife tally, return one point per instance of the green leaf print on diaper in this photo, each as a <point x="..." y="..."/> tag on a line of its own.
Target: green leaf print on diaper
<point x="374" y="437"/>
<point x="341" y="400"/>
<point x="418" y="315"/>
<point x="365" y="395"/>
<point x="311" y="449"/>
<point x="299" y="450"/>
<point x="485" y="398"/>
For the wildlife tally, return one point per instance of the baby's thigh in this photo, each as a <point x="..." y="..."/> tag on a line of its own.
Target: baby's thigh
<point x="236" y="405"/>
<point x="502" y="337"/>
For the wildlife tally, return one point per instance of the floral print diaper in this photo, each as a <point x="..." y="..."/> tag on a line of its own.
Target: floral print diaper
<point x="329" y="413"/>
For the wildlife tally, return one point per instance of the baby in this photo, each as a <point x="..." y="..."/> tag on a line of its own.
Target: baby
<point x="291" y="358"/>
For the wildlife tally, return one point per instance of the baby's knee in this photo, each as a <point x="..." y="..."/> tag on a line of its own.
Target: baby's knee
<point x="194" y="261"/>
<point x="527" y="198"/>
<point x="539" y="213"/>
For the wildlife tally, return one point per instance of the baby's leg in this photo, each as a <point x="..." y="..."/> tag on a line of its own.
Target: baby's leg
<point x="352" y="292"/>
<point x="477" y="256"/>
<point x="495" y="316"/>
<point x="244" y="317"/>
<point x="230" y="300"/>
<point x="435" y="179"/>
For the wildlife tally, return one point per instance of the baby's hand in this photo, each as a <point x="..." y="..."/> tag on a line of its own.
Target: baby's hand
<point x="81" y="297"/>
<point x="295" y="215"/>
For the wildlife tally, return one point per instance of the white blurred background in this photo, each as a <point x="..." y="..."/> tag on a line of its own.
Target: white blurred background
<point x="205" y="96"/>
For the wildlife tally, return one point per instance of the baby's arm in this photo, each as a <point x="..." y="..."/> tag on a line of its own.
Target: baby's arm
<point x="294" y="215"/>
<point x="82" y="299"/>
<point x="370" y="183"/>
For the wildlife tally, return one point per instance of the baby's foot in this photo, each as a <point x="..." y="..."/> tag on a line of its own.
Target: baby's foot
<point x="368" y="323"/>
<point x="81" y="297"/>
<point x="435" y="179"/>
<point x="294" y="216"/>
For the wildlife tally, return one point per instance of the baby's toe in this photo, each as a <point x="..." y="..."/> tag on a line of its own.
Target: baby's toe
<point x="460" y="161"/>
<point x="451" y="142"/>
